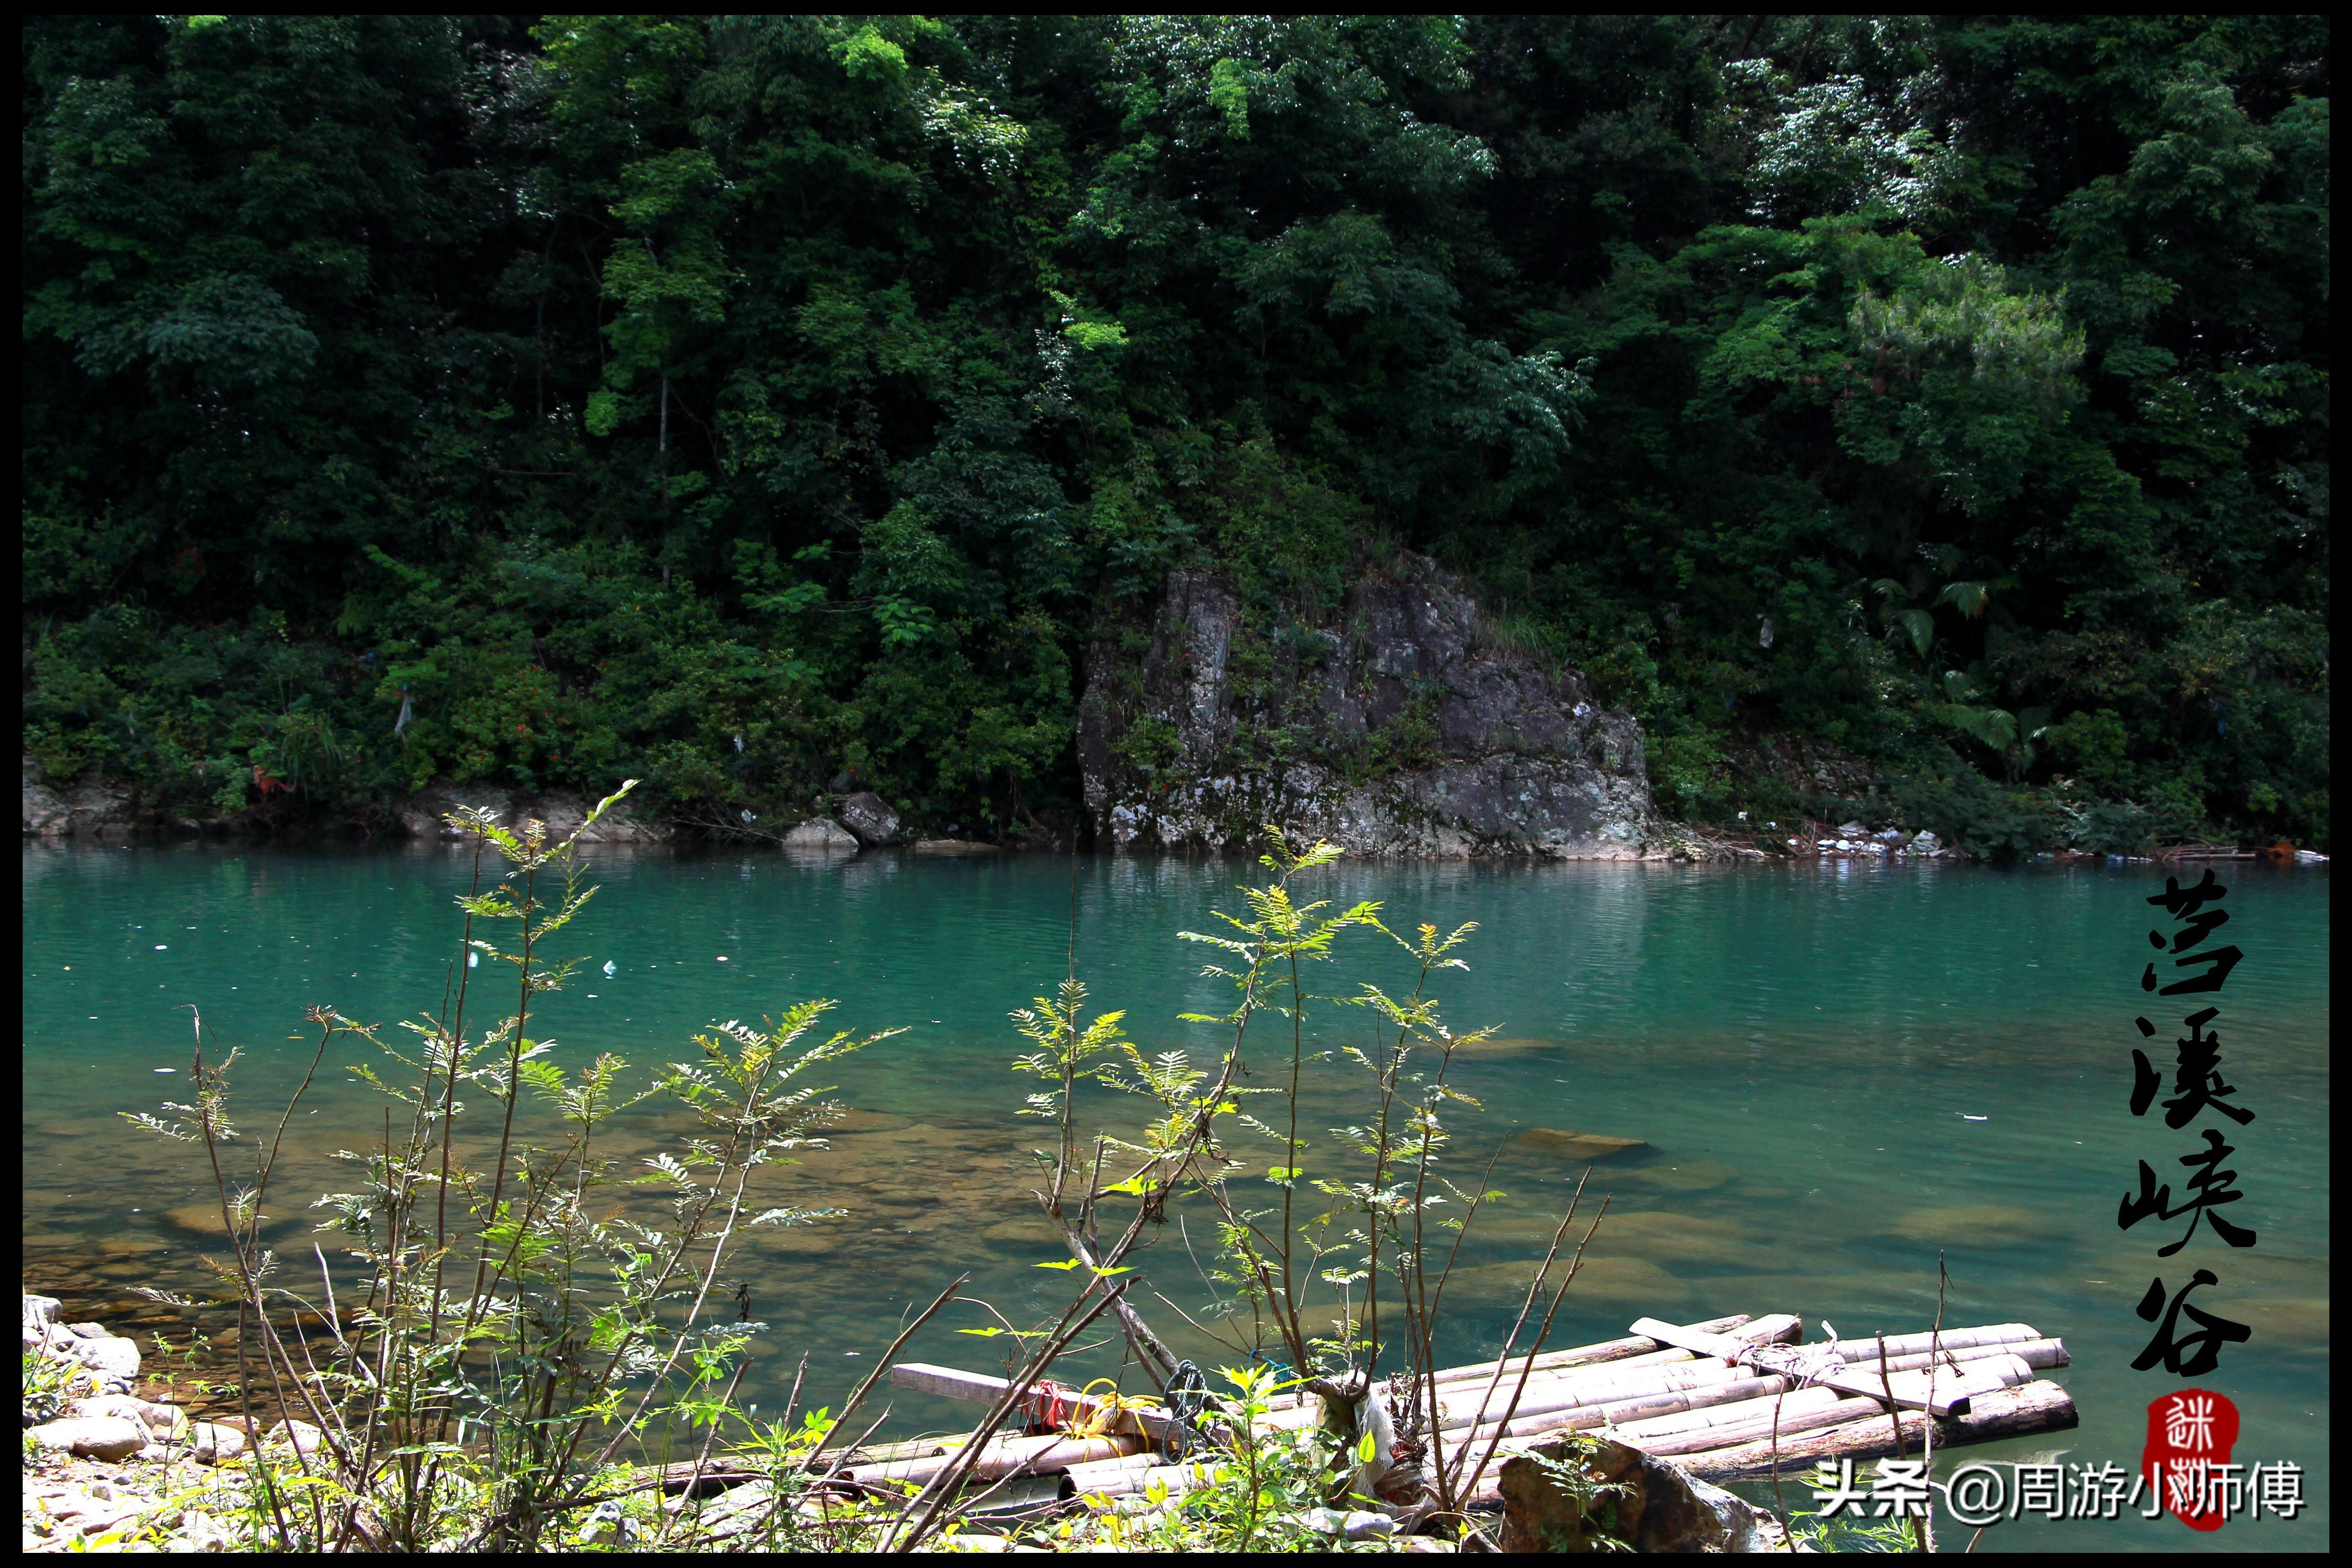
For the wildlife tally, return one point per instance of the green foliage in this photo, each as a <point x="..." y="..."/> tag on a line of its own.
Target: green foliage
<point x="1574" y="1474"/>
<point x="514" y="1326"/>
<point x="47" y="1386"/>
<point x="817" y="381"/>
<point x="1963" y="807"/>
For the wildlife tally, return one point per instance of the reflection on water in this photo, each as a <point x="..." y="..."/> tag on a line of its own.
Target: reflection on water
<point x="1780" y="1067"/>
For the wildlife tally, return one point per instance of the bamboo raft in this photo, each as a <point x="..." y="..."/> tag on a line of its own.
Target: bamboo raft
<point x="1726" y="1399"/>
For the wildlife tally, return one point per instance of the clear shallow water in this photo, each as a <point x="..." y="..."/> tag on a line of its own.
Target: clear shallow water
<point x="1803" y="1047"/>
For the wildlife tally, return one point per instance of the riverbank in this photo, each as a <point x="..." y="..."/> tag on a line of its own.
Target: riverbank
<point x="101" y="811"/>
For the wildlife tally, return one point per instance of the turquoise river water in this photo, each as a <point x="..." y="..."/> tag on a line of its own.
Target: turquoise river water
<point x="1840" y="1069"/>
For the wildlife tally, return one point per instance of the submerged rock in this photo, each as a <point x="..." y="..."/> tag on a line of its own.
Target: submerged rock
<point x="1402" y="730"/>
<point x="204" y="1220"/>
<point x="1581" y="1145"/>
<point x="1690" y="1176"/>
<point x="1971" y="1225"/>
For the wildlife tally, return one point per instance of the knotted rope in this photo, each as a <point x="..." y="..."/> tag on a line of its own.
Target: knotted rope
<point x="1806" y="1364"/>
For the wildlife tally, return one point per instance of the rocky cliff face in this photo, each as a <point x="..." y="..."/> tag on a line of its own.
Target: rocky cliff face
<point x="1397" y="732"/>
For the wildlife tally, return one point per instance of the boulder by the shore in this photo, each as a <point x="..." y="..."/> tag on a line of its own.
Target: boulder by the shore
<point x="423" y="814"/>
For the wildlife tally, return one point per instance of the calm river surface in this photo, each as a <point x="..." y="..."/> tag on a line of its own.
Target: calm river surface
<point x="1842" y="1069"/>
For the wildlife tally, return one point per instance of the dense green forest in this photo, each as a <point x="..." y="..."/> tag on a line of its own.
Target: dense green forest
<point x="743" y="403"/>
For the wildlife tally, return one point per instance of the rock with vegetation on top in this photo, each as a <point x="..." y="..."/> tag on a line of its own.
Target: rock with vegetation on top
<point x="89" y="809"/>
<point x="1404" y="729"/>
<point x="1665" y="1509"/>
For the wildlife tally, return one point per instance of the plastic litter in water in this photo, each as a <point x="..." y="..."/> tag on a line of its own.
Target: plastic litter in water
<point x="1966" y="1117"/>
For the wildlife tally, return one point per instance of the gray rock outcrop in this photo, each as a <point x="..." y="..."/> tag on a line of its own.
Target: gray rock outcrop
<point x="870" y="817"/>
<point x="822" y="836"/>
<point x="91" y="809"/>
<point x="1401" y="731"/>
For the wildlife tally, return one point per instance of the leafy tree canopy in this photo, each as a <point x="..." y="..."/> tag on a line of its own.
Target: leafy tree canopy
<point x="745" y="403"/>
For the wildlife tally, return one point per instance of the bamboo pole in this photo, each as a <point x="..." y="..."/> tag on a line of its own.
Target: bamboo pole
<point x="2010" y="1368"/>
<point x="1811" y="1407"/>
<point x="1634" y="1348"/>
<point x="1131" y="1490"/>
<point x="1750" y="1387"/>
<point x="1002" y="1456"/>
<point x="1948" y="1339"/>
<point x="1916" y="1389"/>
<point x="1640" y="1433"/>
<point x="1756" y="1389"/>
<point x="1590" y="1417"/>
<point x="1636" y="1351"/>
<point x="1545" y="1398"/>
<point x="2037" y="1407"/>
<point x="1096" y="1475"/>
<point x="2042" y="1354"/>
